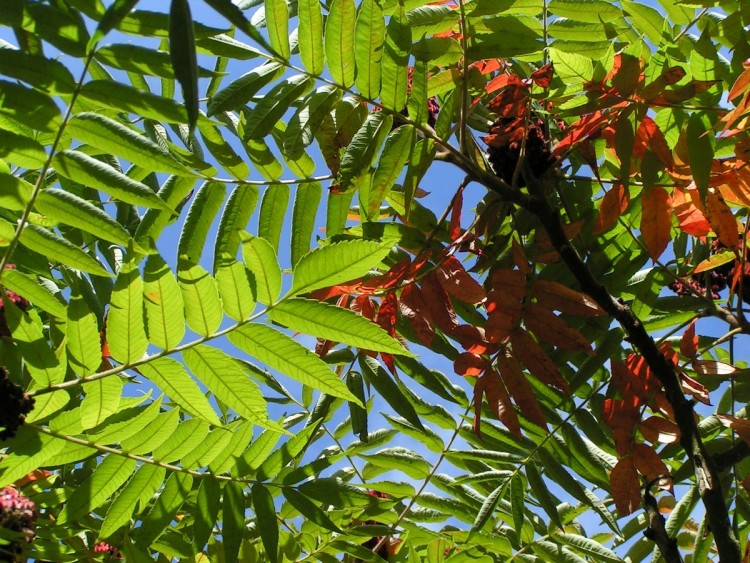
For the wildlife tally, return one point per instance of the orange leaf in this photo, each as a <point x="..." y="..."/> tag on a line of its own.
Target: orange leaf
<point x="586" y="127"/>
<point x="520" y="389"/>
<point x="656" y="429"/>
<point x="689" y="341"/>
<point x="499" y="401"/>
<point x="741" y="84"/>
<point x="715" y="261"/>
<point x="536" y="360"/>
<point x="469" y="364"/>
<point x="649" y="135"/>
<point x="458" y="283"/>
<point x="688" y="210"/>
<point x="613" y="204"/>
<point x="656" y="220"/>
<point x="559" y="297"/>
<point x="626" y="487"/>
<point x="721" y="219"/>
<point x="550" y="328"/>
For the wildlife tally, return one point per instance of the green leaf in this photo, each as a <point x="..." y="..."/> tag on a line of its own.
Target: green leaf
<point x="306" y="202"/>
<point x="588" y="547"/>
<point x="313" y="109"/>
<point x="369" y="37"/>
<point x="277" y="23"/>
<point x="700" y="152"/>
<point x="572" y="68"/>
<point x="27" y="331"/>
<point x="226" y="379"/>
<point x="308" y="509"/>
<point x="357" y="414"/>
<point x="232" y="13"/>
<point x="645" y="19"/>
<point x="125" y="424"/>
<point x="517" y="501"/>
<point x="112" y="137"/>
<point x="144" y="483"/>
<point x="281" y="353"/>
<point x="260" y="450"/>
<point x="376" y="376"/>
<point x="237" y="289"/>
<point x="126" y="331"/>
<point x="272" y="211"/>
<point x="241" y="435"/>
<point x="102" y="400"/>
<point x="70" y="209"/>
<point x="45" y="74"/>
<point x="200" y="216"/>
<point x="175" y="492"/>
<point x="261" y="260"/>
<point x="26" y="286"/>
<point x="337" y="263"/>
<point x="206" y="453"/>
<point x="60" y="250"/>
<point x="122" y="97"/>
<point x="234" y="219"/>
<point x="29" y="107"/>
<point x="94" y="173"/>
<point x="173" y="192"/>
<point x="310" y="36"/>
<point x="165" y="311"/>
<point x="28" y="451"/>
<point x="201" y="297"/>
<point x="21" y="150"/>
<point x="274" y="105"/>
<point x="540" y="489"/>
<point x="340" y="41"/>
<point x="396" y="153"/>
<point x="262" y="158"/>
<point x="396" y="61"/>
<point x="141" y="60"/>
<point x="234" y="520"/>
<point x="400" y="459"/>
<point x="184" y="58"/>
<point x="206" y="511"/>
<point x="242" y="90"/>
<point x="111" y="18"/>
<point x="222" y="151"/>
<point x="109" y="476"/>
<point x="334" y="323"/>
<point x="15" y="192"/>
<point x="154" y="434"/>
<point x="185" y="439"/>
<point x="268" y="525"/>
<point x="361" y="152"/>
<point x="170" y="376"/>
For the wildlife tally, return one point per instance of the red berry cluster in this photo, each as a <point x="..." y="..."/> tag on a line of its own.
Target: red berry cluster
<point x="17" y="514"/>
<point x="715" y="280"/>
<point x="14" y="406"/>
<point x="506" y="140"/>
<point x="104" y="547"/>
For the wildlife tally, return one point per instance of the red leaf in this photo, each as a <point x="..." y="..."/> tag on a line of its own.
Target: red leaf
<point x="458" y="283"/>
<point x="648" y="135"/>
<point x="439" y="303"/>
<point x="391" y="278"/>
<point x="559" y="297"/>
<point x="387" y="313"/>
<point x="530" y="354"/>
<point x="414" y="308"/>
<point x="626" y="487"/>
<point x="469" y="364"/>
<point x="520" y="389"/>
<point x="692" y="387"/>
<point x="473" y="339"/>
<point x="586" y="127"/>
<point x="689" y="341"/>
<point x="543" y="76"/>
<point x="613" y="204"/>
<point x="656" y="220"/>
<point x="364" y="306"/>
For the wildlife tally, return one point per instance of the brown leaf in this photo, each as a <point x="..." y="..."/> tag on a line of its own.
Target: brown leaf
<point x="691" y="387"/>
<point x="713" y="367"/>
<point x="439" y="303"/>
<point x="510" y="282"/>
<point x="473" y="339"/>
<point x="414" y="308"/>
<point x="456" y="209"/>
<point x="648" y="462"/>
<point x="536" y="360"/>
<point x="689" y="341"/>
<point x="614" y="203"/>
<point x="656" y="220"/>
<point x="559" y="297"/>
<point x="656" y="429"/>
<point x="626" y="487"/>
<point x="520" y="389"/>
<point x="740" y="425"/>
<point x="551" y="329"/>
<point x="499" y="401"/>
<point x="458" y="283"/>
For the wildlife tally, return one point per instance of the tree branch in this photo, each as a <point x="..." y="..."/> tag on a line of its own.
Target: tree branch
<point x="657" y="530"/>
<point x="705" y="469"/>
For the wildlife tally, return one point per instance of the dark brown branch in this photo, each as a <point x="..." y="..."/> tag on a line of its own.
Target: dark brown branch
<point x="657" y="530"/>
<point x="704" y="467"/>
